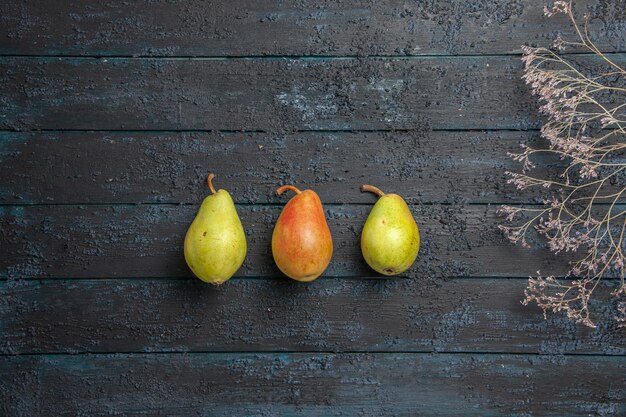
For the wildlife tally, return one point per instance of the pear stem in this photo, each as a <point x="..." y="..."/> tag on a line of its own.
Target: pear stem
<point x="366" y="188"/>
<point x="210" y="182"/>
<point x="284" y="188"/>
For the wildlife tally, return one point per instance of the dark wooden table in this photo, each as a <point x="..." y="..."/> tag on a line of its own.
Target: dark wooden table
<point x="112" y="114"/>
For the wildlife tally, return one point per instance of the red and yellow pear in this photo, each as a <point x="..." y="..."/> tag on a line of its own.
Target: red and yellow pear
<point x="301" y="243"/>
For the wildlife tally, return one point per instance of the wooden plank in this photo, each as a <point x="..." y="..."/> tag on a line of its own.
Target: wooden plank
<point x="288" y="385"/>
<point x="147" y="241"/>
<point x="140" y="167"/>
<point x="337" y="315"/>
<point x="292" y="27"/>
<point x="276" y="95"/>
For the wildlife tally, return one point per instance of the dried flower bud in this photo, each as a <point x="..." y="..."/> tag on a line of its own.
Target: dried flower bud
<point x="576" y="106"/>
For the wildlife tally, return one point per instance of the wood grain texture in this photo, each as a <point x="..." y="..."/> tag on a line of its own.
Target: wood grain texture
<point x="312" y="385"/>
<point x="147" y="241"/>
<point x="337" y="315"/>
<point x="148" y="167"/>
<point x="99" y="314"/>
<point x="293" y="27"/>
<point x="275" y="95"/>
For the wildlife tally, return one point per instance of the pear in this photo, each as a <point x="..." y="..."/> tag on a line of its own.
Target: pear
<point x="215" y="243"/>
<point x="301" y="242"/>
<point x="390" y="239"/>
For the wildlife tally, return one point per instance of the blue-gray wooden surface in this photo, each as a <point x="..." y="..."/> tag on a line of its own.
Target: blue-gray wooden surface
<point x="111" y="115"/>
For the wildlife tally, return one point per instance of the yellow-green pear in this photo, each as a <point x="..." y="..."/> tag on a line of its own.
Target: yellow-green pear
<point x="215" y="244"/>
<point x="390" y="239"/>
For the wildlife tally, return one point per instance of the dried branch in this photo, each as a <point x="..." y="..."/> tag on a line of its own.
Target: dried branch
<point x="585" y="127"/>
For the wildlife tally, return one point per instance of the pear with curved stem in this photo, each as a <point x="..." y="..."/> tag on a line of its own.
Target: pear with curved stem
<point x="215" y="244"/>
<point x="390" y="240"/>
<point x="301" y="242"/>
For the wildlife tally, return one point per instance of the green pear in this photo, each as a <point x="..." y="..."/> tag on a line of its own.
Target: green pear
<point x="390" y="239"/>
<point x="215" y="244"/>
